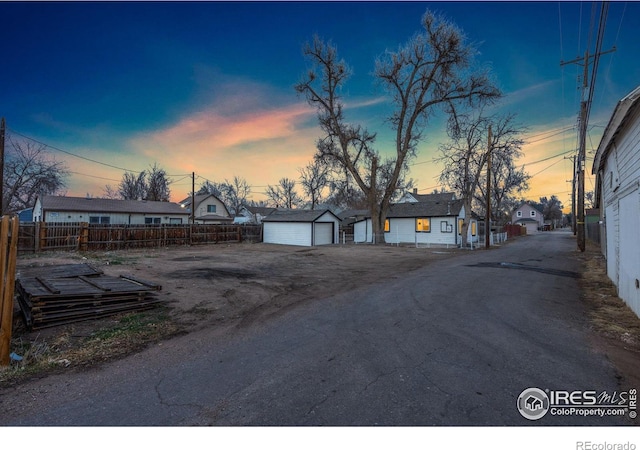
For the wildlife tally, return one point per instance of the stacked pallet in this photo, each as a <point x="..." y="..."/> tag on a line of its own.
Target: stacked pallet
<point x="50" y="296"/>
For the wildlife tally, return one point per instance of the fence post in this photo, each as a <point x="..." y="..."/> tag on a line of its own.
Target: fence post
<point x="83" y="239"/>
<point x="42" y="237"/>
<point x="239" y="233"/>
<point x="9" y="249"/>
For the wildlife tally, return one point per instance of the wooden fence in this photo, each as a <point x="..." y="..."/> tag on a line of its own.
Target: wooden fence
<point x="82" y="236"/>
<point x="8" y="255"/>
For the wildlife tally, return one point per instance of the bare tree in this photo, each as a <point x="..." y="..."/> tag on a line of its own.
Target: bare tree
<point x="430" y="71"/>
<point x="158" y="185"/>
<point x="29" y="172"/>
<point x="465" y="156"/>
<point x="284" y="195"/>
<point x="507" y="182"/>
<point x="132" y="186"/>
<point x="110" y="192"/>
<point x="237" y="194"/>
<point x="314" y="180"/>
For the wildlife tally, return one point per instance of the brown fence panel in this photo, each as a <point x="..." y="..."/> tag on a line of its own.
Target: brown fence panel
<point x="83" y="236"/>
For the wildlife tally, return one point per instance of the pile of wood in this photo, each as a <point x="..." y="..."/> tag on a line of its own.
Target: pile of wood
<point x="57" y="295"/>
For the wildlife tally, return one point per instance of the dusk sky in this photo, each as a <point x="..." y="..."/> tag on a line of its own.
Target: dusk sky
<point x="208" y="87"/>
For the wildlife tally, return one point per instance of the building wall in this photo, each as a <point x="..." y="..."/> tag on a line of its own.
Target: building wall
<point x="203" y="208"/>
<point x="621" y="201"/>
<point x="114" y="218"/>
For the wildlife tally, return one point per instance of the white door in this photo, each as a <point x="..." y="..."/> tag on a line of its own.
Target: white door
<point x="323" y="233"/>
<point x="287" y="233"/>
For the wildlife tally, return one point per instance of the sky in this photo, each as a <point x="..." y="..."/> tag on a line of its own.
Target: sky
<point x="208" y="87"/>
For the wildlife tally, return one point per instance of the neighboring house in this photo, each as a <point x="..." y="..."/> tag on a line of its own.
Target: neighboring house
<point x="26" y="215"/>
<point x="617" y="169"/>
<point x="432" y="222"/>
<point x="256" y="213"/>
<point x="528" y="216"/>
<point x="209" y="209"/>
<point x="301" y="227"/>
<point x="414" y="197"/>
<point x="51" y="208"/>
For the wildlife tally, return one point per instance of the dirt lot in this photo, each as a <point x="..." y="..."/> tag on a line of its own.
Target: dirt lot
<point x="240" y="284"/>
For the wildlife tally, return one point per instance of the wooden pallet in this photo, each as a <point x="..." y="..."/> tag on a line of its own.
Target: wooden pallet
<point x="77" y="293"/>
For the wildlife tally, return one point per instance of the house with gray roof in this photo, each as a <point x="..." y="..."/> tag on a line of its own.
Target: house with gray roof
<point x="51" y="208"/>
<point x="301" y="227"/>
<point x="434" y="222"/>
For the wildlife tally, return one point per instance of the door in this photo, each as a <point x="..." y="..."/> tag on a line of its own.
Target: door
<point x="323" y="233"/>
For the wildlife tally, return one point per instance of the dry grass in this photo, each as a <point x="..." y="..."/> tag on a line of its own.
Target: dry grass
<point x="609" y="315"/>
<point x="84" y="345"/>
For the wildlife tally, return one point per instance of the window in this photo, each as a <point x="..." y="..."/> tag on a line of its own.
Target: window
<point x="460" y="223"/>
<point x="423" y="225"/>
<point x="386" y="225"/>
<point x="100" y="219"/>
<point x="175" y="220"/>
<point x="474" y="229"/>
<point x="152" y="220"/>
<point x="533" y="213"/>
<point x="519" y="214"/>
<point x="446" y="227"/>
<point x="211" y="208"/>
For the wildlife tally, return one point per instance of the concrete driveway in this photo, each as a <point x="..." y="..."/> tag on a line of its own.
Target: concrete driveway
<point x="453" y="343"/>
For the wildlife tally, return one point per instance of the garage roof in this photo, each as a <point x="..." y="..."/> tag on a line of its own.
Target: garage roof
<point x="297" y="215"/>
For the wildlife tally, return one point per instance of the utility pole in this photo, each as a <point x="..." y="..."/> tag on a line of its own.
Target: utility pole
<point x="3" y="126"/>
<point x="193" y="198"/>
<point x="487" y="219"/>
<point x="573" y="193"/>
<point x="587" y="95"/>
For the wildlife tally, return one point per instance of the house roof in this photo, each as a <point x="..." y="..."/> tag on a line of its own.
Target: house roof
<point x="351" y="213"/>
<point x="262" y="210"/>
<point x="105" y="205"/>
<point x="297" y="215"/>
<point x="538" y="208"/>
<point x="623" y="110"/>
<point x="439" y="197"/>
<point x="425" y="209"/>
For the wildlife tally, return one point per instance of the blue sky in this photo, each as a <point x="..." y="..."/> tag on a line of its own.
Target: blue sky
<point x="208" y="86"/>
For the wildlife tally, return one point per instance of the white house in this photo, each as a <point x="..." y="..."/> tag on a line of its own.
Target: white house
<point x="50" y="208"/>
<point x="529" y="217"/>
<point x="209" y="209"/>
<point x="617" y="169"/>
<point x="301" y="227"/>
<point x="431" y="222"/>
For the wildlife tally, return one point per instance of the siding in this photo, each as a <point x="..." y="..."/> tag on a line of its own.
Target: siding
<point x="115" y="219"/>
<point x="621" y="200"/>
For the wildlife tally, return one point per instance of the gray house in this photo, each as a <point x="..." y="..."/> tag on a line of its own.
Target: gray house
<point x="50" y="208"/>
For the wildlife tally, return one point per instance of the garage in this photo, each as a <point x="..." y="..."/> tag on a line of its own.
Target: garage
<point x="301" y="227"/>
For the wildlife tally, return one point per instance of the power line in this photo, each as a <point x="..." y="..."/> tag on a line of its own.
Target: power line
<point x="71" y="154"/>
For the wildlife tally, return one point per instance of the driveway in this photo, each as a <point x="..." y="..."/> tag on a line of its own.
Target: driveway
<point x="452" y="343"/>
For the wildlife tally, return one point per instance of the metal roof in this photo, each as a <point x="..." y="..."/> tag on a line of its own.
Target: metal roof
<point x="425" y="209"/>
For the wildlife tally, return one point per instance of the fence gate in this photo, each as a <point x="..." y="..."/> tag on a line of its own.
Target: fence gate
<point x="8" y="255"/>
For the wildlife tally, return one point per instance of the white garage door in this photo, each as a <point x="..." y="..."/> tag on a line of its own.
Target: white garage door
<point x="323" y="233"/>
<point x="287" y="233"/>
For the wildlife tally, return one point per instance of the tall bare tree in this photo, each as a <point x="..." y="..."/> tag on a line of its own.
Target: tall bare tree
<point x="158" y="184"/>
<point x="465" y="156"/>
<point x="237" y="194"/>
<point x="132" y="186"/>
<point x="314" y="179"/>
<point x="432" y="70"/>
<point x="29" y="172"/>
<point x="284" y="194"/>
